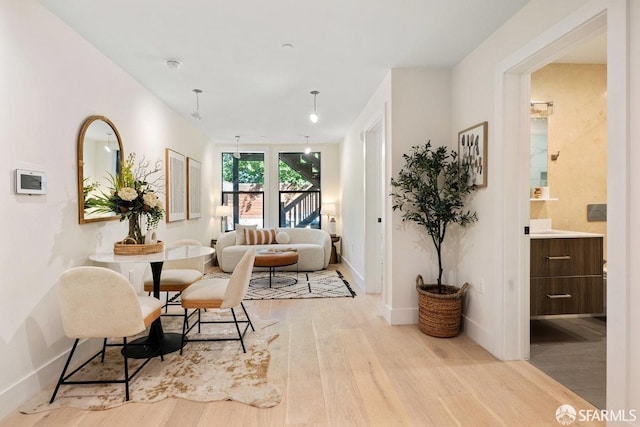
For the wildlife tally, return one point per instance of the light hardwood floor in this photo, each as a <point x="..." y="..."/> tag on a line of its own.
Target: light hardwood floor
<point x="338" y="363"/>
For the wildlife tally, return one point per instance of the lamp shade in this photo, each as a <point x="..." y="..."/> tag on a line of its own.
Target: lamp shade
<point x="328" y="209"/>
<point x="223" y="211"/>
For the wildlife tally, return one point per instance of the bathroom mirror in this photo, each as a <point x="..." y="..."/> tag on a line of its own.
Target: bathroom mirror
<point x="100" y="156"/>
<point x="538" y="177"/>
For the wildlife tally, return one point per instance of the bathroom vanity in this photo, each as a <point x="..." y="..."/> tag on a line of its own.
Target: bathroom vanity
<point x="566" y="273"/>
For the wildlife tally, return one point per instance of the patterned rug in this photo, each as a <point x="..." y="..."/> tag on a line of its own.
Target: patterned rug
<point x="205" y="372"/>
<point x="316" y="284"/>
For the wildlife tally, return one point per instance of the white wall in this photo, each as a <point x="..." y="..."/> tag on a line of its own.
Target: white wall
<point x="416" y="106"/>
<point x="351" y="198"/>
<point x="52" y="80"/>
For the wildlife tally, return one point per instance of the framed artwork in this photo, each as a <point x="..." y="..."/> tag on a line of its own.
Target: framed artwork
<point x="193" y="189"/>
<point x="176" y="185"/>
<point x="472" y="150"/>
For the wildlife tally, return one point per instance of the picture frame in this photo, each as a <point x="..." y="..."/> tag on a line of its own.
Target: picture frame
<point x="176" y="185"/>
<point x="194" y="208"/>
<point x="472" y="150"/>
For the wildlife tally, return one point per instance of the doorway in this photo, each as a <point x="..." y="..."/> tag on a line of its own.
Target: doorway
<point x="513" y="124"/>
<point x="374" y="200"/>
<point x="569" y="128"/>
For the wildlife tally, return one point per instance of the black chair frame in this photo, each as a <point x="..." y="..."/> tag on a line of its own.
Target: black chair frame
<point x="64" y="377"/>
<point x="186" y="328"/>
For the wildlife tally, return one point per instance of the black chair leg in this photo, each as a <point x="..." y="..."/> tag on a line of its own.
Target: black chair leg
<point x="235" y="320"/>
<point x="126" y="369"/>
<point x="184" y="330"/>
<point x="247" y="314"/>
<point x="64" y="370"/>
<point x="104" y="350"/>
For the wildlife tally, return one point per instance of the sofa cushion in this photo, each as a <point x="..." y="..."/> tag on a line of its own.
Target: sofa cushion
<point x="264" y="236"/>
<point x="283" y="238"/>
<point x="240" y="233"/>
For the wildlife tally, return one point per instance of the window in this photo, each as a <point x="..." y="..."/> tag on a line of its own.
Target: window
<point x="299" y="184"/>
<point x="243" y="188"/>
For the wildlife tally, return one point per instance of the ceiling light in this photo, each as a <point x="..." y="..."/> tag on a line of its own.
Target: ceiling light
<point x="237" y="153"/>
<point x="314" y="116"/>
<point x="196" y="114"/>
<point x="308" y="149"/>
<point x="287" y="45"/>
<point x="108" y="146"/>
<point x="173" y="64"/>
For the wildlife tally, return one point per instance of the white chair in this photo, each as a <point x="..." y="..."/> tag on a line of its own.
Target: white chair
<point x="219" y="294"/>
<point x="176" y="275"/>
<point x="97" y="302"/>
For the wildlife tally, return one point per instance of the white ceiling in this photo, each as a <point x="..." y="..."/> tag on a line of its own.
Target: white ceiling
<point x="254" y="87"/>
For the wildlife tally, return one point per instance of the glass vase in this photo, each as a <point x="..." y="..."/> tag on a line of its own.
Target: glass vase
<point x="135" y="229"/>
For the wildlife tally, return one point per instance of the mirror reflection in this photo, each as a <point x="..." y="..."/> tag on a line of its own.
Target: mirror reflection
<point x="100" y="156"/>
<point x="538" y="153"/>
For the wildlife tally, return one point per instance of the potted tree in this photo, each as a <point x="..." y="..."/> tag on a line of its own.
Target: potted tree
<point x="431" y="190"/>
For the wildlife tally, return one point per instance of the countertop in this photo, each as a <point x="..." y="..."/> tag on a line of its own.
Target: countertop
<point x="561" y="234"/>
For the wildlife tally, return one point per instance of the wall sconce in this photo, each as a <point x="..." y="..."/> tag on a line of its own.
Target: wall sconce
<point x="329" y="209"/>
<point x="223" y="212"/>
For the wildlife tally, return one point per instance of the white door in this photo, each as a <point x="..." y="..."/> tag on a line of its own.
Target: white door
<point x="374" y="199"/>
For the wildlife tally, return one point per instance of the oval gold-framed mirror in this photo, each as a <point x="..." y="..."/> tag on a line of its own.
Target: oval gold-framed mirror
<point x="100" y="154"/>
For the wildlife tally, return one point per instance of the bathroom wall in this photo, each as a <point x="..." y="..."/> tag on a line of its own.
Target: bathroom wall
<point x="578" y="130"/>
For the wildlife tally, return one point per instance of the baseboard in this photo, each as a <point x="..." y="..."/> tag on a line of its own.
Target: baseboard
<point x="357" y="277"/>
<point x="480" y="335"/>
<point x="401" y="316"/>
<point x="44" y="377"/>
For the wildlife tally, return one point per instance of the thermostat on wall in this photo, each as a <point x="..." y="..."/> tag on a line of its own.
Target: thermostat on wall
<point x="31" y="182"/>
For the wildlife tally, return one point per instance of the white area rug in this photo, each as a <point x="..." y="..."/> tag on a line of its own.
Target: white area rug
<point x="205" y="372"/>
<point x="316" y="284"/>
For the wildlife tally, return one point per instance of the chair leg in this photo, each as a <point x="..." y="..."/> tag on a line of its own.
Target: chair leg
<point x="126" y="369"/>
<point x="64" y="370"/>
<point x="235" y="320"/>
<point x="184" y="330"/>
<point x="247" y="314"/>
<point x="104" y="349"/>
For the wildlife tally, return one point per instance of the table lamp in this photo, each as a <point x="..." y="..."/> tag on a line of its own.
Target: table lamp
<point x="224" y="212"/>
<point x="329" y="209"/>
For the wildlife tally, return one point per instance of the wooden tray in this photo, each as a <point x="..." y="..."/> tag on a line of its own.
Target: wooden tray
<point x="120" y="248"/>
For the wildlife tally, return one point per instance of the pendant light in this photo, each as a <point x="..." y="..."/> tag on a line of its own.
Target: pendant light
<point x="308" y="149"/>
<point x="314" y="116"/>
<point x="237" y="153"/>
<point x="196" y="114"/>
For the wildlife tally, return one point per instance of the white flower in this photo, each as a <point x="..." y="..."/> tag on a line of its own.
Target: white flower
<point x="128" y="194"/>
<point x="150" y="199"/>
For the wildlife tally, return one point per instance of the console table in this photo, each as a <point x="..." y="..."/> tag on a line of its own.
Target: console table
<point x="157" y="342"/>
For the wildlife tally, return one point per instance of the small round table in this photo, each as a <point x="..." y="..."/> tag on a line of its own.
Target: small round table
<point x="273" y="259"/>
<point x="157" y="342"/>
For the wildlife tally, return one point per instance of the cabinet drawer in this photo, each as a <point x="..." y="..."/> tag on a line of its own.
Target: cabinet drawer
<point x="566" y="257"/>
<point x="572" y="295"/>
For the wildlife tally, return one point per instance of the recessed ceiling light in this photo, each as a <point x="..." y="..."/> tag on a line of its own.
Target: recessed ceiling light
<point x="173" y="64"/>
<point x="286" y="45"/>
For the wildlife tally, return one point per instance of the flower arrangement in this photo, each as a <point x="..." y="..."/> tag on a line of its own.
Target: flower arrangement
<point x="132" y="195"/>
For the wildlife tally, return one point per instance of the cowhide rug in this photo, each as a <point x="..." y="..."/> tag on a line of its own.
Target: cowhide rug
<point x="205" y="372"/>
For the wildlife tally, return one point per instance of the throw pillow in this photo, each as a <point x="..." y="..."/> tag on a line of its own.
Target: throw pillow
<point x="265" y="236"/>
<point x="240" y="233"/>
<point x="283" y="238"/>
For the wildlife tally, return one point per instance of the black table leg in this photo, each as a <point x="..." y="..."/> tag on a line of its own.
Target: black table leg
<point x="157" y="342"/>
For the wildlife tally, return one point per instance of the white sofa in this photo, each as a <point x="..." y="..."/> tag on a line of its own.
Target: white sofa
<point x="313" y="246"/>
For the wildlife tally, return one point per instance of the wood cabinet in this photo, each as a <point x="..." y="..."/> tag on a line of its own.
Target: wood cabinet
<point x="566" y="276"/>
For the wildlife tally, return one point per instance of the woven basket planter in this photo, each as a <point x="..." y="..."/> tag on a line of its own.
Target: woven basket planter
<point x="439" y="314"/>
